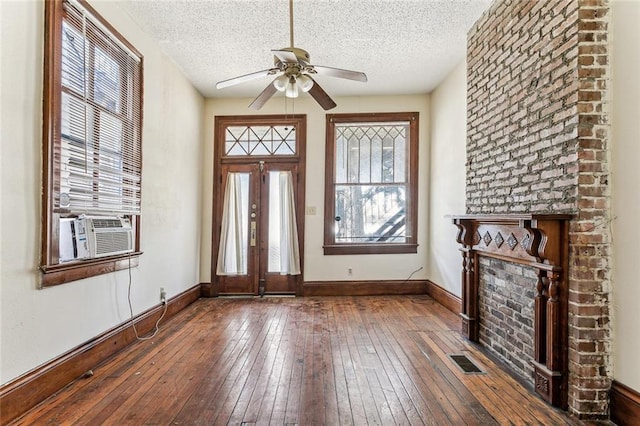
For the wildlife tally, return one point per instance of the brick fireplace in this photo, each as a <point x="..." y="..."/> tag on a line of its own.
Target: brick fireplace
<point x="537" y="143"/>
<point x="538" y="242"/>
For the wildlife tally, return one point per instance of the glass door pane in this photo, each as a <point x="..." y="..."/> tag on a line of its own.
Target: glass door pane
<point x="234" y="234"/>
<point x="274" y="223"/>
<point x="283" y="251"/>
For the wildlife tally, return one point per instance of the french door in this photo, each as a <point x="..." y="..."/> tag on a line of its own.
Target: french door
<point x="258" y="225"/>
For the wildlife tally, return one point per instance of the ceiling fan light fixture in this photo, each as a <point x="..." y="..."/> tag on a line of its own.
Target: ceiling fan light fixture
<point x="281" y="83"/>
<point x="305" y="82"/>
<point x="292" y="70"/>
<point x="292" y="88"/>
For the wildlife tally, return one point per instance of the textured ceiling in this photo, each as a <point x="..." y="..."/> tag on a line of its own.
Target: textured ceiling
<point x="404" y="46"/>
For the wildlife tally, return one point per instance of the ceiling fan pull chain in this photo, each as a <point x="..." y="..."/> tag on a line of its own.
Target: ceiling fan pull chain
<point x="286" y="113"/>
<point x="291" y="21"/>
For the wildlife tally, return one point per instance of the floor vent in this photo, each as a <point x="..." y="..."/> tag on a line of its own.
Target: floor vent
<point x="236" y="296"/>
<point x="466" y="365"/>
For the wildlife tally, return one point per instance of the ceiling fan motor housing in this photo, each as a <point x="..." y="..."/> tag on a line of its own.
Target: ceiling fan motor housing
<point x="301" y="54"/>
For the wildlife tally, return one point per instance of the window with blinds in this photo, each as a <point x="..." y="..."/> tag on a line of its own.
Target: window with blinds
<point x="100" y="125"/>
<point x="92" y="131"/>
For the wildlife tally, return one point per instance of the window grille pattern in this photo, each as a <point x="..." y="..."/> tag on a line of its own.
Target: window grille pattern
<point x="260" y="141"/>
<point x="371" y="182"/>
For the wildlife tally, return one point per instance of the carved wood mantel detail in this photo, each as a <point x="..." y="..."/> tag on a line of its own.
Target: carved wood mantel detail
<point x="540" y="241"/>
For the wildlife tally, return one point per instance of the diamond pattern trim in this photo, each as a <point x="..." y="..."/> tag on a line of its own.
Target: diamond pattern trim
<point x="476" y="238"/>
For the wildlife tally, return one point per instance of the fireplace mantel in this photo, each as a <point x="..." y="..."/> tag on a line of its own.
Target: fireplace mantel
<point x="540" y="241"/>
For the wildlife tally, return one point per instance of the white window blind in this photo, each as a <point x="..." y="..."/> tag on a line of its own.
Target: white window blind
<point x="100" y="157"/>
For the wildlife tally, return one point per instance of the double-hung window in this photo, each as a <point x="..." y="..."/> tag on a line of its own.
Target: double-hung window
<point x="92" y="136"/>
<point x="371" y="183"/>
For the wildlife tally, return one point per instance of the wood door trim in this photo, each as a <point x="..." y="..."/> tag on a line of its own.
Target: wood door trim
<point x="220" y="122"/>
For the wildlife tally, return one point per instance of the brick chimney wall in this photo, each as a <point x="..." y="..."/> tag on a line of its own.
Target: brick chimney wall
<point x="537" y="141"/>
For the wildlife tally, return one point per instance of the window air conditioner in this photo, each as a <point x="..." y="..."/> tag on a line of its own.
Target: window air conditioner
<point x="107" y="236"/>
<point x="100" y="236"/>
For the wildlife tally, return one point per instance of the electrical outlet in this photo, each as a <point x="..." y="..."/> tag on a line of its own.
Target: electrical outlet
<point x="350" y="271"/>
<point x="163" y="296"/>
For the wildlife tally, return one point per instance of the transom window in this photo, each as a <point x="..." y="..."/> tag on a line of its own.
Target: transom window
<point x="371" y="183"/>
<point x="260" y="140"/>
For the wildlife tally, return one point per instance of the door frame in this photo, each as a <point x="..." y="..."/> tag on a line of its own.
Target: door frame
<point x="299" y="121"/>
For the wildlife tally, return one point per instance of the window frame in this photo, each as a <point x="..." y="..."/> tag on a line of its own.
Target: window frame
<point x="331" y="247"/>
<point x="52" y="272"/>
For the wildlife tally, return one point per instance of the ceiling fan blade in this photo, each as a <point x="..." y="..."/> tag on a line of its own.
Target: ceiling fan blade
<point x="321" y="96"/>
<point x="263" y="97"/>
<point x="246" y="77"/>
<point x="285" y="56"/>
<point x="340" y="73"/>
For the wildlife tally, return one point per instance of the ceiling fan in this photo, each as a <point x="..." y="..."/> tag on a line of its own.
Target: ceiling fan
<point x="293" y="73"/>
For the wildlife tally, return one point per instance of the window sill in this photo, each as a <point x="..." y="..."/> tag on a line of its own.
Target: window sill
<point x="64" y="273"/>
<point x="388" y="248"/>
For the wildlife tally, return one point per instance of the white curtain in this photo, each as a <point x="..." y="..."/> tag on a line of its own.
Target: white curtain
<point x="232" y="253"/>
<point x="289" y="250"/>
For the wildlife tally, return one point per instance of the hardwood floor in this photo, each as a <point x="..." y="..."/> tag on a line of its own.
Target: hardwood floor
<point x="307" y="361"/>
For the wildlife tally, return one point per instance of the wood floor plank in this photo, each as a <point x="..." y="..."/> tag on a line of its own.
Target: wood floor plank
<point x="406" y="412"/>
<point x="294" y="384"/>
<point x="322" y="360"/>
<point x="260" y="396"/>
<point x="213" y="389"/>
<point x="150" y="387"/>
<point x="93" y="389"/>
<point x="356" y="405"/>
<point x="354" y="341"/>
<point x="441" y="399"/>
<point x="389" y="362"/>
<point x="312" y="394"/>
<point x="274" y="403"/>
<point x="406" y="372"/>
<point x="497" y="383"/>
<point x="466" y="400"/>
<point x="174" y="383"/>
<point x="499" y="399"/>
<point x="240" y="378"/>
<point x="330" y="366"/>
<point x="415" y="398"/>
<point x="389" y="406"/>
<point x="248" y="402"/>
<point x="409" y="375"/>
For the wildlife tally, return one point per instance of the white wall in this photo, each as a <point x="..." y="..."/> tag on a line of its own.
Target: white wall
<point x="39" y="325"/>
<point x="447" y="180"/>
<point x="625" y="143"/>
<point x="318" y="267"/>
